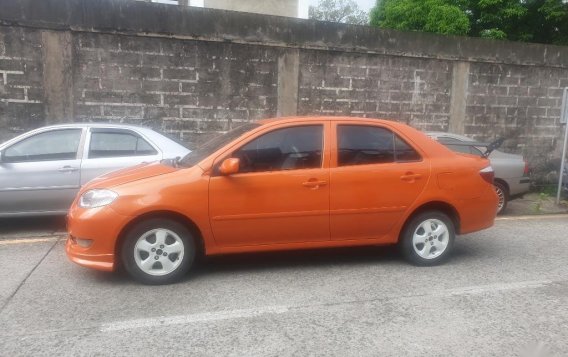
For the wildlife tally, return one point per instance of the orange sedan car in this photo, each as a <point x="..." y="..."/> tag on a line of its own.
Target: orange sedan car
<point x="291" y="183"/>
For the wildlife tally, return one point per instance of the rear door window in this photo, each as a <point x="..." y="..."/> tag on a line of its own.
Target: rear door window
<point x="404" y="152"/>
<point x="360" y="145"/>
<point x="365" y="144"/>
<point x="118" y="143"/>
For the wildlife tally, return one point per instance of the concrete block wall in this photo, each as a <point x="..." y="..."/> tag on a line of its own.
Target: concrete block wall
<point x="189" y="88"/>
<point x="194" y="72"/>
<point x="21" y="81"/>
<point x="519" y="102"/>
<point x="412" y="90"/>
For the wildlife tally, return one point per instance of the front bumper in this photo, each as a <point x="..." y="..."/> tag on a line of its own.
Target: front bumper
<point x="100" y="225"/>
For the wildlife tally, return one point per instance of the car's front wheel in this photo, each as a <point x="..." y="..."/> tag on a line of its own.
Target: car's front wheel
<point x="428" y="238"/>
<point x="158" y="251"/>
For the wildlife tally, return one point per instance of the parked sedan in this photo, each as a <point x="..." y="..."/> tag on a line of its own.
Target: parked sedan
<point x="292" y="183"/>
<point x="511" y="171"/>
<point x="41" y="171"/>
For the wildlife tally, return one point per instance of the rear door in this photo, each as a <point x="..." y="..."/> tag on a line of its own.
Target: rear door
<point x="375" y="177"/>
<point x="110" y="149"/>
<point x="40" y="173"/>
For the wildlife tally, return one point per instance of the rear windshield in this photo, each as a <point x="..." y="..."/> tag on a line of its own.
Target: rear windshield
<point x="215" y="144"/>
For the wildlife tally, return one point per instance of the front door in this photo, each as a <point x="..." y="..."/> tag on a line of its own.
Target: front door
<point x="40" y="174"/>
<point x="375" y="177"/>
<point x="281" y="192"/>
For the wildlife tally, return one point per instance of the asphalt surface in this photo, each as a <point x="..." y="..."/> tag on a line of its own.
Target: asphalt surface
<point x="504" y="293"/>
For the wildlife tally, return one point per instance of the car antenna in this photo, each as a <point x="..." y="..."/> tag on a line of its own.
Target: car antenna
<point x="493" y="146"/>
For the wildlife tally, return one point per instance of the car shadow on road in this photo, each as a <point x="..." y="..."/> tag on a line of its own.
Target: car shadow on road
<point x="311" y="258"/>
<point x="30" y="226"/>
<point x="468" y="250"/>
<point x="465" y="252"/>
<point x="272" y="261"/>
<point x="267" y="262"/>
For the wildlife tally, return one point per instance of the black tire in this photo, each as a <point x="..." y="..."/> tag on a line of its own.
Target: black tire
<point x="406" y="243"/>
<point x="142" y="228"/>
<point x="500" y="188"/>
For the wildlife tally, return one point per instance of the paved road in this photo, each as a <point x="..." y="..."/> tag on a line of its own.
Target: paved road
<point x="504" y="292"/>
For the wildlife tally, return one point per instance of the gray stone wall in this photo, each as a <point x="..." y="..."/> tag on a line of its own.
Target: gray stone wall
<point x="412" y="90"/>
<point x="21" y="81"/>
<point x="188" y="88"/>
<point x="519" y="102"/>
<point x="194" y="72"/>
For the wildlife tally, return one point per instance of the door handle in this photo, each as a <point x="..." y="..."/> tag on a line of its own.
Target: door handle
<point x="67" y="169"/>
<point x="410" y="177"/>
<point x="314" y="183"/>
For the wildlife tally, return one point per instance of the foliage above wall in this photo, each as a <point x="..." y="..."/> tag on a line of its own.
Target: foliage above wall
<point x="541" y="21"/>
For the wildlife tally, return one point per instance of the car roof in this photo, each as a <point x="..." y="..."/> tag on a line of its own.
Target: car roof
<point x="391" y="122"/>
<point x="149" y="133"/>
<point x="94" y="125"/>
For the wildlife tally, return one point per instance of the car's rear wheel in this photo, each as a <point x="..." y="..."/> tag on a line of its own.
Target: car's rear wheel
<point x="428" y="238"/>
<point x="503" y="196"/>
<point x="158" y="251"/>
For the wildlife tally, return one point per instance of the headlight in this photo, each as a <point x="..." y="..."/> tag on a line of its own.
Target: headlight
<point x="97" y="198"/>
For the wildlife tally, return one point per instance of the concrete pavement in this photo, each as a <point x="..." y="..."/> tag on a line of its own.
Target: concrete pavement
<point x="504" y="292"/>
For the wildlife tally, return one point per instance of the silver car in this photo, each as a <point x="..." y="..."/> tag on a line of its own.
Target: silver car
<point x="511" y="171"/>
<point x="41" y="171"/>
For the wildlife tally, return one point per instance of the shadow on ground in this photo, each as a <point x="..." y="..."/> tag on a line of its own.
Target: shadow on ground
<point x="31" y="226"/>
<point x="299" y="258"/>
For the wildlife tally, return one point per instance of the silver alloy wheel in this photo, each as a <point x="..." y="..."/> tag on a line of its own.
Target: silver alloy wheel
<point x="501" y="196"/>
<point x="430" y="238"/>
<point x="158" y="252"/>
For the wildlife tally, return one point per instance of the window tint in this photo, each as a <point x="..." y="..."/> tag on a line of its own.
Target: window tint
<point x="215" y="144"/>
<point x="47" y="146"/>
<point x="118" y="144"/>
<point x="359" y="145"/>
<point x="283" y="149"/>
<point x="405" y="152"/>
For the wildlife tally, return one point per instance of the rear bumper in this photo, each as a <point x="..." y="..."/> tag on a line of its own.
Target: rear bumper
<point x="518" y="186"/>
<point x="479" y="213"/>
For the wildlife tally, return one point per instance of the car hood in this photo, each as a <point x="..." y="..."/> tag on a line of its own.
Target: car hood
<point x="130" y="174"/>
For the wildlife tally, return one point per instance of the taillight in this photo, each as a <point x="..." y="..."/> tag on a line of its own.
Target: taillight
<point x="487" y="174"/>
<point x="526" y="170"/>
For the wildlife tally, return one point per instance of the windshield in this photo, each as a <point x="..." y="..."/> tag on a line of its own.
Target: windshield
<point x="215" y="144"/>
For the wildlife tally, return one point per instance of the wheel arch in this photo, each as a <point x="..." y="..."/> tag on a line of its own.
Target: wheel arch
<point x="504" y="183"/>
<point x="163" y="214"/>
<point x="441" y="206"/>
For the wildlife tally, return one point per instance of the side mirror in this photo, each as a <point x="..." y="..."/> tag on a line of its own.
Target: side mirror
<point x="229" y="166"/>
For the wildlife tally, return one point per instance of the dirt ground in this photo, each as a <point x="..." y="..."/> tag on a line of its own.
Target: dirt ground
<point x="534" y="204"/>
